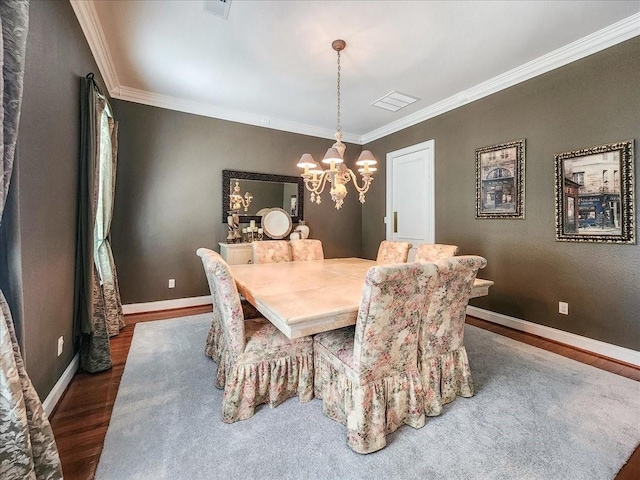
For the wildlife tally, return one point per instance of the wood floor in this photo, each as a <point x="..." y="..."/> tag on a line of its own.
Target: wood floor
<point x="82" y="416"/>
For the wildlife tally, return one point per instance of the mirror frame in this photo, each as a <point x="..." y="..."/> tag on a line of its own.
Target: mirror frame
<point x="227" y="175"/>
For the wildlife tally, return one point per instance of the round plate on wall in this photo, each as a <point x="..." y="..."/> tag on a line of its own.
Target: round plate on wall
<point x="276" y="223"/>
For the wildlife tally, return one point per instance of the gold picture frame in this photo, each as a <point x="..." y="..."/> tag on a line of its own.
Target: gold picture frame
<point x="500" y="180"/>
<point x="595" y="194"/>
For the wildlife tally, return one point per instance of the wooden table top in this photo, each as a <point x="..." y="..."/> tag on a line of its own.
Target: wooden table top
<point x="303" y="298"/>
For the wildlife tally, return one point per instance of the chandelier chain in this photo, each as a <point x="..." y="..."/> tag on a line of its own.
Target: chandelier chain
<point x="338" y="126"/>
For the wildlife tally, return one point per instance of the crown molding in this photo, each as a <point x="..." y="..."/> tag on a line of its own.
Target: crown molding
<point x="605" y="38"/>
<point x="88" y="18"/>
<point x="209" y="110"/>
<point x="90" y="23"/>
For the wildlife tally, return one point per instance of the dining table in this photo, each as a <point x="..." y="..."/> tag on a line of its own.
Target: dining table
<point x="304" y="298"/>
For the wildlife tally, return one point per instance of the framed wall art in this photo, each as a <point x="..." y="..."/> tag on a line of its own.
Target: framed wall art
<point x="500" y="180"/>
<point x="595" y="194"/>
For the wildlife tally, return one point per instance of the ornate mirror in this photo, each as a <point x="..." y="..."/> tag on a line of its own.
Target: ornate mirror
<point x="265" y="191"/>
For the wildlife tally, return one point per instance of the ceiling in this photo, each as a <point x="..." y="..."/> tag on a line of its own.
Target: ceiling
<point x="270" y="63"/>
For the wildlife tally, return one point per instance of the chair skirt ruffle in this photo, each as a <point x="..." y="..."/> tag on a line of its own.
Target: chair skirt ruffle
<point x="271" y="381"/>
<point x="369" y="411"/>
<point x="443" y="378"/>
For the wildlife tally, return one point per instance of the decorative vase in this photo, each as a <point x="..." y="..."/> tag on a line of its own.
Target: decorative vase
<point x="303" y="230"/>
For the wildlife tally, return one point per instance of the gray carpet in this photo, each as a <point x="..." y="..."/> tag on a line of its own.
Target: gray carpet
<point x="535" y="415"/>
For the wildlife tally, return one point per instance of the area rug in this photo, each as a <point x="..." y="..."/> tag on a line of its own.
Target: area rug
<point x="535" y="415"/>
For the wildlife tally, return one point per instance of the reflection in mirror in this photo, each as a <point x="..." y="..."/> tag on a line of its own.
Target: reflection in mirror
<point x="268" y="195"/>
<point x="237" y="200"/>
<point x="265" y="190"/>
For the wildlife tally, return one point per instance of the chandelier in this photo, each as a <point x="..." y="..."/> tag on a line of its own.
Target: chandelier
<point x="237" y="201"/>
<point x="337" y="175"/>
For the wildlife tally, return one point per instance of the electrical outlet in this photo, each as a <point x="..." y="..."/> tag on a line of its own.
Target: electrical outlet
<point x="172" y="283"/>
<point x="563" y="308"/>
<point x="60" y="345"/>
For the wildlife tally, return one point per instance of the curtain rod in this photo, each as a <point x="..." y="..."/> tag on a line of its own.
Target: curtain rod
<point x="90" y="76"/>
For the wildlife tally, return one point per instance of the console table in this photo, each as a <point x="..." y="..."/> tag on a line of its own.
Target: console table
<point x="236" y="253"/>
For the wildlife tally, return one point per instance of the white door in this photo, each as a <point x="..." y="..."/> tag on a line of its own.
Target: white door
<point x="411" y="195"/>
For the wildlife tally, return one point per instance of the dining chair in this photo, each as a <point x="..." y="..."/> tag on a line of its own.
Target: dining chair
<point x="442" y="357"/>
<point x="214" y="341"/>
<point x="393" y="252"/>
<point x="367" y="376"/>
<point x="430" y="252"/>
<point x="258" y="364"/>
<point x="271" y="251"/>
<point x="306" y="250"/>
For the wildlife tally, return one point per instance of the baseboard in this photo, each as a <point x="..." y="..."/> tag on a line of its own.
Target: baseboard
<point x="166" y="304"/>
<point x="61" y="385"/>
<point x="615" y="352"/>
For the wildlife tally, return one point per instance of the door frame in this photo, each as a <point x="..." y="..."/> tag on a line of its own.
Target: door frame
<point x="430" y="147"/>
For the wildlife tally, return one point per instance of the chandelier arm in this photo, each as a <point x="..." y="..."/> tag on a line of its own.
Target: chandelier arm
<point x="319" y="188"/>
<point x="366" y="181"/>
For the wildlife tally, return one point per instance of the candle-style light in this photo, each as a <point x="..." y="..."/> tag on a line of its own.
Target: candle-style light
<point x="337" y="175"/>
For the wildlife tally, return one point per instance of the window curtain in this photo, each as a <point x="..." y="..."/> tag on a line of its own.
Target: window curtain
<point x="103" y="257"/>
<point x="27" y="446"/>
<point x="98" y="309"/>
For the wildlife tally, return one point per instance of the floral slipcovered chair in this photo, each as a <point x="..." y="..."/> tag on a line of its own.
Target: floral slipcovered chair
<point x="306" y="250"/>
<point x="271" y="251"/>
<point x="367" y="377"/>
<point x="393" y="252"/>
<point x="430" y="252"/>
<point x="214" y="341"/>
<point x="258" y="364"/>
<point x="442" y="357"/>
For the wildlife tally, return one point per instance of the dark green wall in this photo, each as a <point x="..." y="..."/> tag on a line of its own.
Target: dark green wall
<point x="48" y="144"/>
<point x="169" y="194"/>
<point x="590" y="102"/>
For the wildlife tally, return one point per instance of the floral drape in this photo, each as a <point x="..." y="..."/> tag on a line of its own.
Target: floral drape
<point x="27" y="446"/>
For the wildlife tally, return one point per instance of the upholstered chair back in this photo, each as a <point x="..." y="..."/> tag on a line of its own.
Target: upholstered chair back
<point x="442" y="329"/>
<point x="394" y="299"/>
<point x="256" y="363"/>
<point x="430" y="252"/>
<point x="226" y="300"/>
<point x="214" y="342"/>
<point x="306" y="250"/>
<point x="393" y="252"/>
<point x="271" y="251"/>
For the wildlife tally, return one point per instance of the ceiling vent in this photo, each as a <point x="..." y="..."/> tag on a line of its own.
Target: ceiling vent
<point x="394" y="101"/>
<point x="220" y="8"/>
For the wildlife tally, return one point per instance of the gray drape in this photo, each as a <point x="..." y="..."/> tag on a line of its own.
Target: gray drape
<point x="98" y="309"/>
<point x="27" y="446"/>
<point x="83" y="312"/>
